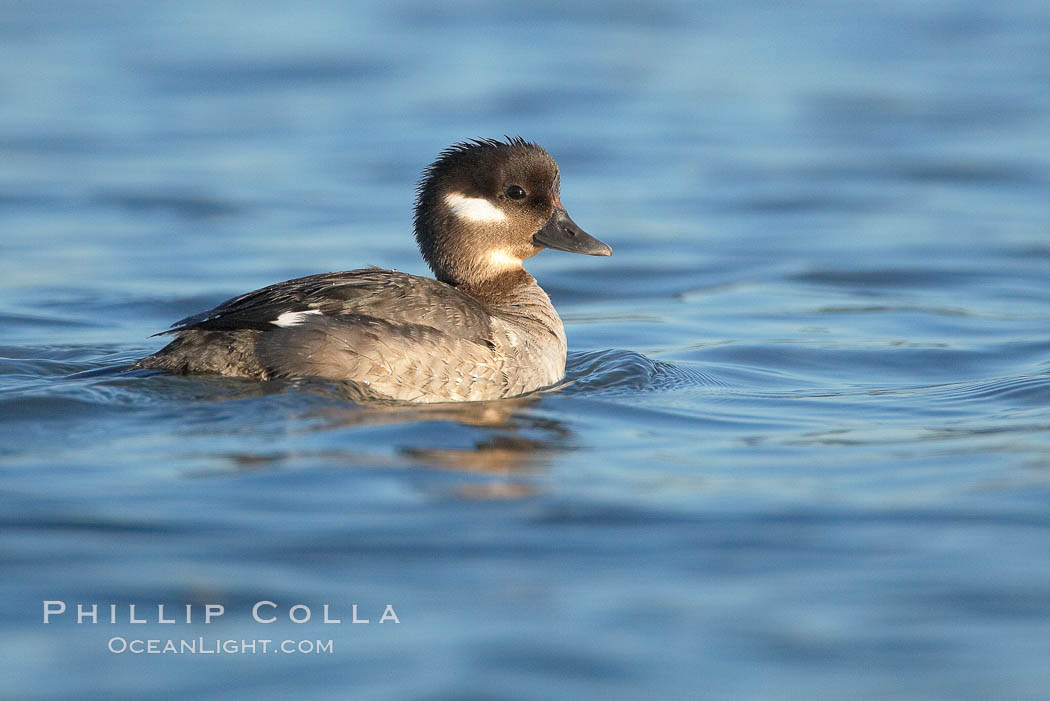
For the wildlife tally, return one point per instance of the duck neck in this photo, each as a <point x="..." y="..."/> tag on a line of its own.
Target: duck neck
<point x="501" y="289"/>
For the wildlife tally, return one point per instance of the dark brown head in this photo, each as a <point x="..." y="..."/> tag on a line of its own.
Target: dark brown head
<point x="484" y="206"/>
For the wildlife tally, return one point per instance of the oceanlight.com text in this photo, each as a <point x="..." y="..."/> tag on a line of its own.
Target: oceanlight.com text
<point x="217" y="646"/>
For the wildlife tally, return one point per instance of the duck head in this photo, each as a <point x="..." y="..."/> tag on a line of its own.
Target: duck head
<point x="484" y="206"/>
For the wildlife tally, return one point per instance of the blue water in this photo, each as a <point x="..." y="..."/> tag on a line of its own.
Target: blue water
<point x="805" y="452"/>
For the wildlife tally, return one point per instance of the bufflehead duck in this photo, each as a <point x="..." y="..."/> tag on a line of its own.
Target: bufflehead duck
<point x="482" y="330"/>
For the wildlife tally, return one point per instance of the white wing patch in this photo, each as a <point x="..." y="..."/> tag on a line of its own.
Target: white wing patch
<point x="293" y="318"/>
<point x="476" y="209"/>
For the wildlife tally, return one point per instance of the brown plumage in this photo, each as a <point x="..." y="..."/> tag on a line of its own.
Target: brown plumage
<point x="483" y="330"/>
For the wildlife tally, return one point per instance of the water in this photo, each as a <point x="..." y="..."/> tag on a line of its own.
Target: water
<point x="805" y="448"/>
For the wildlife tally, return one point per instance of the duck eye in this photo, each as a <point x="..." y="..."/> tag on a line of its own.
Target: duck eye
<point x="515" y="192"/>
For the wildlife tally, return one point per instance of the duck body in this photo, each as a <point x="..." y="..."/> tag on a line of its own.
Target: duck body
<point x="400" y="336"/>
<point x="484" y="329"/>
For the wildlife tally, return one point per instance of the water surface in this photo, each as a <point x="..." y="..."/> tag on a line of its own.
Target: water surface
<point x="804" y="447"/>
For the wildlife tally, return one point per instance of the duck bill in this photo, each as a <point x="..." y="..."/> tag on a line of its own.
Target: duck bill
<point x="561" y="233"/>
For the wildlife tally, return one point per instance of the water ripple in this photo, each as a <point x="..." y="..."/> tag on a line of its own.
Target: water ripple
<point x="621" y="371"/>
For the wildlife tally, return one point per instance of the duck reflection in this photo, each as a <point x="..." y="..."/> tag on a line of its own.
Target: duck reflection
<point x="515" y="440"/>
<point x="503" y="438"/>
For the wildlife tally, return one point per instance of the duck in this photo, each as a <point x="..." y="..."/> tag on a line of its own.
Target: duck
<point x="481" y="329"/>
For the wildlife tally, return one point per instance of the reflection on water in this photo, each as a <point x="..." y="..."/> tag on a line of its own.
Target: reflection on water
<point x="504" y="450"/>
<point x="512" y="440"/>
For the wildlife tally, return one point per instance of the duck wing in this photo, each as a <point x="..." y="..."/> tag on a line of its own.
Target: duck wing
<point x="385" y="295"/>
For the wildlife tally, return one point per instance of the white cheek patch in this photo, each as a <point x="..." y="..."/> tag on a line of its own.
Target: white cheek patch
<point x="476" y="209"/>
<point x="293" y="318"/>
